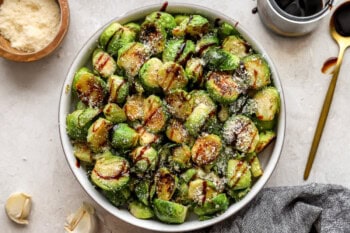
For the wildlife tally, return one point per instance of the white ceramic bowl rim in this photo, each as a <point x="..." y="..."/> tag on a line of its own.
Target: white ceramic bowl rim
<point x="65" y="108"/>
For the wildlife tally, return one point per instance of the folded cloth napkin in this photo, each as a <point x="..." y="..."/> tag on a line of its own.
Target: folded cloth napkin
<point x="321" y="208"/>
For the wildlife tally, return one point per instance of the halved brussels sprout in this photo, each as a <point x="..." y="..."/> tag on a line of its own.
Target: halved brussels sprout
<point x="239" y="194"/>
<point x="236" y="46"/>
<point x="194" y="25"/>
<point x="166" y="20"/>
<point x="240" y="132"/>
<point x="181" y="194"/>
<point x="147" y="138"/>
<point x="149" y="74"/>
<point x="257" y="71"/>
<point x="166" y="183"/>
<point x="120" y="38"/>
<point x="114" y="113"/>
<point x="222" y="88"/>
<point x="80" y="105"/>
<point x="188" y="175"/>
<point x="217" y="204"/>
<point x="226" y="29"/>
<point x="110" y="172"/>
<point x="180" y="18"/>
<point x="124" y="137"/>
<point x="142" y="191"/>
<point x="103" y="63"/>
<point x="265" y="138"/>
<point x="224" y="113"/>
<point x="169" y="212"/>
<point x="79" y="121"/>
<point x="98" y="132"/>
<point x="178" y="104"/>
<point x="178" y="50"/>
<point x="83" y="153"/>
<point x="219" y="60"/>
<point x="255" y="166"/>
<point x="134" y="107"/>
<point x="238" y="174"/>
<point x="263" y="125"/>
<point x="155" y="115"/>
<point x="206" y="149"/>
<point x="131" y="57"/>
<point x="144" y="158"/>
<point x="118" y="89"/>
<point x="267" y="103"/>
<point x="196" y="120"/>
<point x="172" y="76"/>
<point x="107" y="34"/>
<point x="201" y="97"/>
<point x="206" y="42"/>
<point x="201" y="190"/>
<point x="118" y="197"/>
<point x="134" y="27"/>
<point x="141" y="211"/>
<point x="90" y="89"/>
<point x="181" y="157"/>
<point x="176" y="132"/>
<point x="194" y="71"/>
<point x="153" y="36"/>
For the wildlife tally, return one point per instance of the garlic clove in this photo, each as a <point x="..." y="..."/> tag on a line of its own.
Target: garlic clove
<point x="18" y="207"/>
<point x="82" y="221"/>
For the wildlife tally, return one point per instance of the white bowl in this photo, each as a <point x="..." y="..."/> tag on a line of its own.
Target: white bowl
<point x="269" y="157"/>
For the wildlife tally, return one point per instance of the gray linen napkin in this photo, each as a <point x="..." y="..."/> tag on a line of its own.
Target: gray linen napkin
<point x="321" y="208"/>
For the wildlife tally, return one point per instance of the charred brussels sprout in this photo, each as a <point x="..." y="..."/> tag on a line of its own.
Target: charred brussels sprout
<point x="140" y="210"/>
<point x="103" y="63"/>
<point x="201" y="97"/>
<point x="155" y="114"/>
<point x="166" y="20"/>
<point x="197" y="119"/>
<point x="118" y="197"/>
<point x="265" y="138"/>
<point x="114" y="113"/>
<point x="124" y="137"/>
<point x="89" y="88"/>
<point x="180" y="18"/>
<point x="134" y="107"/>
<point x="194" y="71"/>
<point x="97" y="137"/>
<point x="144" y="158"/>
<point x="172" y="76"/>
<point x="166" y="184"/>
<point x="267" y="102"/>
<point x="111" y="172"/>
<point x="79" y="121"/>
<point x="257" y="71"/>
<point x="219" y="60"/>
<point x="178" y="50"/>
<point x="241" y="133"/>
<point x="206" y="149"/>
<point x="194" y="25"/>
<point x="176" y="132"/>
<point x="217" y="204"/>
<point x="236" y="46"/>
<point x="147" y="138"/>
<point x="181" y="157"/>
<point x="118" y="89"/>
<point x="153" y="36"/>
<point x="200" y="190"/>
<point x="131" y="57"/>
<point x="178" y="104"/>
<point x="206" y="42"/>
<point x="238" y="174"/>
<point x="149" y="75"/>
<point x="169" y="212"/>
<point x="222" y="88"/>
<point x="83" y="153"/>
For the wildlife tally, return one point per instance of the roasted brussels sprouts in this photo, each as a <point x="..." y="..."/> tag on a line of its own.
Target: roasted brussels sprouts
<point x="142" y="191"/>
<point x="79" y="121"/>
<point x="194" y="25"/>
<point x="201" y="97"/>
<point x="131" y="57"/>
<point x="178" y="104"/>
<point x="206" y="149"/>
<point x="176" y="132"/>
<point x="201" y="190"/>
<point x="257" y="71"/>
<point x="194" y="71"/>
<point x="166" y="184"/>
<point x="118" y="197"/>
<point x="155" y="117"/>
<point x="188" y="175"/>
<point x="103" y="63"/>
<point x="153" y="36"/>
<point x="89" y="88"/>
<point x="134" y="107"/>
<point x="124" y="137"/>
<point x="118" y="89"/>
<point x="149" y="75"/>
<point x="114" y="113"/>
<point x="134" y="27"/>
<point x="166" y="20"/>
<point x="197" y="119"/>
<point x="172" y="76"/>
<point x="267" y="102"/>
<point x="206" y="42"/>
<point x="238" y="174"/>
<point x="144" y="158"/>
<point x="140" y="210"/>
<point x="241" y="133"/>
<point x="219" y="60"/>
<point x="120" y="38"/>
<point x="217" y="204"/>
<point x="226" y="29"/>
<point x="147" y="138"/>
<point x="178" y="50"/>
<point x="265" y="138"/>
<point x="111" y="172"/>
<point x="169" y="212"/>
<point x="254" y="164"/>
<point x="222" y="88"/>
<point x="83" y="153"/>
<point x="181" y="157"/>
<point x="224" y="113"/>
<point x="180" y="18"/>
<point x="98" y="132"/>
<point x="236" y="46"/>
<point x="108" y="33"/>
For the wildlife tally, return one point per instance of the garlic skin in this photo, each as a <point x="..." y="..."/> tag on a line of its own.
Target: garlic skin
<point x="18" y="207"/>
<point x="82" y="221"/>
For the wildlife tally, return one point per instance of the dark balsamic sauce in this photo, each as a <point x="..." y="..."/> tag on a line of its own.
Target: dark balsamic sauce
<point x="300" y="8"/>
<point x="342" y="19"/>
<point x="327" y="65"/>
<point x="255" y="10"/>
<point x="164" y="6"/>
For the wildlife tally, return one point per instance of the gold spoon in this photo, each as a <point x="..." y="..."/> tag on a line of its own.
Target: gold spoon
<point x="340" y="31"/>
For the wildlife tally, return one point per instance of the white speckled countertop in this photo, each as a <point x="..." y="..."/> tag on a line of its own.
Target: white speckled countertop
<point x="32" y="159"/>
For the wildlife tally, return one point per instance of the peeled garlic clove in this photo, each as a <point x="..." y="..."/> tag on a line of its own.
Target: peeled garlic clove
<point x="18" y="207"/>
<point x="82" y="221"/>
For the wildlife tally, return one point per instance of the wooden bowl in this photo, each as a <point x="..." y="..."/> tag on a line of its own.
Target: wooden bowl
<point x="13" y="54"/>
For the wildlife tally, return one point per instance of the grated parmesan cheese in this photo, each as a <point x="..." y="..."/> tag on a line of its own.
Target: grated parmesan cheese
<point x="29" y="25"/>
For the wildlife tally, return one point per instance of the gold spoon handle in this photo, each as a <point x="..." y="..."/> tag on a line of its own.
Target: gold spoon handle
<point x="324" y="113"/>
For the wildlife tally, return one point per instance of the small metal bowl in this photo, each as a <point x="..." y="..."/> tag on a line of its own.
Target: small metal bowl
<point x="13" y="54"/>
<point x="286" y="24"/>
